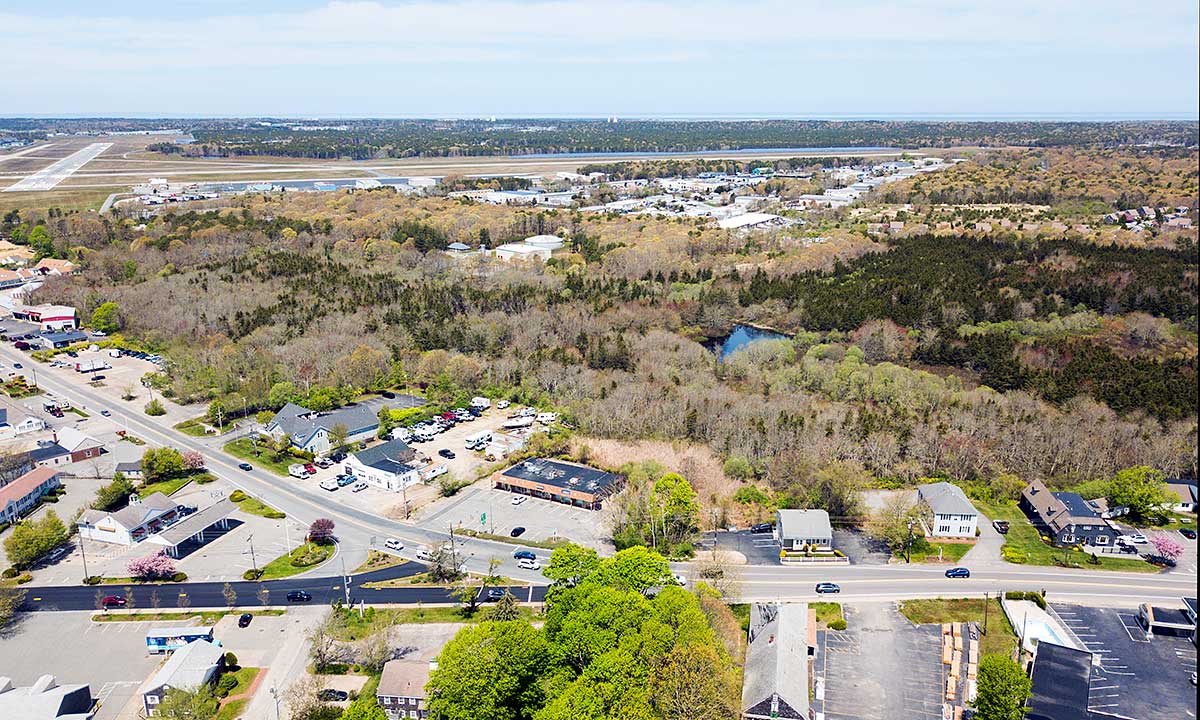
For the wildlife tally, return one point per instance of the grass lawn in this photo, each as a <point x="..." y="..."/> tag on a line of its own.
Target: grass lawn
<point x="243" y="449"/>
<point x="232" y="709"/>
<point x="254" y="506"/>
<point x="951" y="552"/>
<point x="543" y="544"/>
<point x="1000" y="638"/>
<point x="206" y="618"/>
<point x="378" y="561"/>
<point x="77" y="411"/>
<point x="827" y="612"/>
<point x="1024" y="537"/>
<point x="351" y="627"/>
<point x="166" y="487"/>
<point x="308" y="555"/>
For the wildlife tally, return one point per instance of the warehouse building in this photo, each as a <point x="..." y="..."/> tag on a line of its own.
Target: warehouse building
<point x="563" y="482"/>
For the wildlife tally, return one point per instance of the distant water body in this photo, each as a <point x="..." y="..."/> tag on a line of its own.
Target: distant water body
<point x="742" y="336"/>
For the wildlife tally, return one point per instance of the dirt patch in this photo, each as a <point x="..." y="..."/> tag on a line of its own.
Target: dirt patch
<point x="697" y="463"/>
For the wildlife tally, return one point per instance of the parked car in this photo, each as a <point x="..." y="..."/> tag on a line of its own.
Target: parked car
<point x="359" y="486"/>
<point x="958" y="572"/>
<point x="331" y="695"/>
<point x="393" y="544"/>
<point x="323" y="463"/>
<point x="494" y="594"/>
<point x="680" y="580"/>
<point x="298" y="596"/>
<point x="17" y="365"/>
<point x="518" y="531"/>
<point x="1160" y="560"/>
<point x="446" y="453"/>
<point x="828" y="587"/>
<point x="1001" y="526"/>
<point x="524" y="555"/>
<point x="113" y="601"/>
<point x="762" y="528"/>
<point x="501" y="404"/>
<point x="1188" y="533"/>
<point x="330" y="485"/>
<point x="310" y="468"/>
<point x="1136" y="537"/>
<point x="424" y="554"/>
<point x="529" y="565"/>
<point x="518" y="499"/>
<point x="388" y="394"/>
<point x="344" y="480"/>
<point x="245" y="466"/>
<point x="244" y="620"/>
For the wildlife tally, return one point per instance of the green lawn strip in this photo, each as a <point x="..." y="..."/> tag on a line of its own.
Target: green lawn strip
<point x="207" y="617"/>
<point x="310" y="555"/>
<point x="352" y="627"/>
<point x="243" y="449"/>
<point x="195" y="427"/>
<point x="254" y="506"/>
<point x="1023" y="536"/>
<point x="245" y="678"/>
<point x="166" y="487"/>
<point x="827" y="612"/>
<point x="951" y="552"/>
<point x="543" y="544"/>
<point x="232" y="709"/>
<point x="1000" y="638"/>
<point x="77" y="411"/>
<point x="377" y="560"/>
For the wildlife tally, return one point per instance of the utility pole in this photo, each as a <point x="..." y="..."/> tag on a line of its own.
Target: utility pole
<point x="986" y="601"/>
<point x="453" y="550"/>
<point x="908" y="544"/>
<point x="275" y="695"/>
<point x="83" y="554"/>
<point x="345" y="579"/>
<point x="253" y="562"/>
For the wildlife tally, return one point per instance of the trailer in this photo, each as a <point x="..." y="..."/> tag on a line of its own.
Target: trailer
<point x="88" y="366"/>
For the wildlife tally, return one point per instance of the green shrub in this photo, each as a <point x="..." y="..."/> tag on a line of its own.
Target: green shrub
<point x="226" y="684"/>
<point x="154" y="408"/>
<point x="1014" y="555"/>
<point x="206" y="478"/>
<point x="179" y="577"/>
<point x="237" y="496"/>
<point x="838" y="624"/>
<point x="333" y="669"/>
<point x="11" y="572"/>
<point x="274" y="515"/>
<point x="252" y="575"/>
<point x="24" y="578"/>
<point x="92" y="580"/>
<point x="231" y="660"/>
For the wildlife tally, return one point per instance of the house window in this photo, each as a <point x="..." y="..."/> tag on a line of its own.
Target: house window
<point x="943" y="528"/>
<point x="1101" y="539"/>
<point x="151" y="699"/>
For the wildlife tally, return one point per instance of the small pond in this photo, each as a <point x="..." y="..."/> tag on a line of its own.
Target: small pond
<point x="742" y="336"/>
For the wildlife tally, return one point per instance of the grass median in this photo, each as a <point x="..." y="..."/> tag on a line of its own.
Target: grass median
<point x="206" y="618"/>
<point x="302" y="559"/>
<point x="1024" y="541"/>
<point x="1000" y="638"/>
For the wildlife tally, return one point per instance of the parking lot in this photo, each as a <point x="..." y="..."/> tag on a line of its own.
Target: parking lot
<point x="1146" y="679"/>
<point x="123" y="378"/>
<point x="542" y="519"/>
<point x="880" y="667"/>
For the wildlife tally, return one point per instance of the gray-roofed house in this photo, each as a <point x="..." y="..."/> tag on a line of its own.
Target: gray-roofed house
<point x="131" y="470"/>
<point x="401" y="691"/>
<point x="1067" y="517"/>
<point x="309" y="430"/>
<point x="795" y="529"/>
<point x="1185" y="491"/>
<point x="389" y="465"/>
<point x="778" y="656"/>
<point x="140" y="519"/>
<point x="953" y="514"/>
<point x="45" y="700"/>
<point x="48" y="454"/>
<point x="191" y="667"/>
<point x="62" y="339"/>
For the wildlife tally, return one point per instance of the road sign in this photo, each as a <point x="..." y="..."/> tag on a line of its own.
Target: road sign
<point x="483" y="519"/>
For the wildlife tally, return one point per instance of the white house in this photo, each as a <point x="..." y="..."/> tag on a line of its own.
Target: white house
<point x="310" y="430"/>
<point x="953" y="514"/>
<point x="795" y="529"/>
<point x="521" y="251"/>
<point x="11" y="427"/>
<point x="131" y="524"/>
<point x="389" y="466"/>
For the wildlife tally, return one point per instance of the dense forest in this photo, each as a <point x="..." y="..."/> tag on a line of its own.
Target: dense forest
<point x="970" y="357"/>
<point x="371" y="138"/>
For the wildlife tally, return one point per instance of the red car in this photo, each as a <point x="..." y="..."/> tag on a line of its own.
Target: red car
<point x="310" y="469"/>
<point x="113" y="601"/>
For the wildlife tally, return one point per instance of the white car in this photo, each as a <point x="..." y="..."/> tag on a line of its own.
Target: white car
<point x="358" y="486"/>
<point x="424" y="554"/>
<point x="501" y="404"/>
<point x="679" y="579"/>
<point x="330" y="485"/>
<point x="99" y="333"/>
<point x="518" y="499"/>
<point x="527" y="564"/>
<point x="393" y="544"/>
<point x="1138" y="538"/>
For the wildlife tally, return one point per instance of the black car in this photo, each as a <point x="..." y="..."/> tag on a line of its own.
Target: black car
<point x="494" y="594"/>
<point x="1001" y="526"/>
<point x="388" y="394"/>
<point x="330" y="695"/>
<point x="298" y="596"/>
<point x="97" y="377"/>
<point x="17" y="365"/>
<point x="518" y="531"/>
<point x="827" y="587"/>
<point x="524" y="555"/>
<point x="244" y="620"/>
<point x="448" y="454"/>
<point x="245" y="466"/>
<point x="762" y="528"/>
<point x="958" y="572"/>
<point x="337" y="457"/>
<point x="1188" y="533"/>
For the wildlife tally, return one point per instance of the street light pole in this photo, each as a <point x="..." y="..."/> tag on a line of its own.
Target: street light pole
<point x="83" y="554"/>
<point x="253" y="562"/>
<point x="908" y="544"/>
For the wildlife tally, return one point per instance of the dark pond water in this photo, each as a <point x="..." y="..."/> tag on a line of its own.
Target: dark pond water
<point x="742" y="336"/>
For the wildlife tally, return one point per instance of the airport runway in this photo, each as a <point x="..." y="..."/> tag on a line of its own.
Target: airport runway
<point x="48" y="177"/>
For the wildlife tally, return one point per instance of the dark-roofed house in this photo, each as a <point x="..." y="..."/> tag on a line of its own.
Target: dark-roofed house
<point x="309" y="430"/>
<point x="192" y="667"/>
<point x="1185" y="491"/>
<point x="45" y="700"/>
<point x="22" y="495"/>
<point x="778" y="656"/>
<point x="401" y="691"/>
<point x="47" y="454"/>
<point x="389" y="465"/>
<point x="1066" y="517"/>
<point x="560" y="481"/>
<point x="131" y="524"/>
<point x="62" y="339"/>
<point x="953" y="514"/>
<point x="131" y="470"/>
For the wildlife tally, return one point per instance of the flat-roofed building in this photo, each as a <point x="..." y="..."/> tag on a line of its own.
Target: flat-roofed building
<point x="560" y="481"/>
<point x="45" y="700"/>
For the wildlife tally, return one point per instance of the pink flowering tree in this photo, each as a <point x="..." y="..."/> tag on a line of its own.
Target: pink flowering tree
<point x="192" y="460"/>
<point x="152" y="567"/>
<point x="321" y="531"/>
<point x="1166" y="546"/>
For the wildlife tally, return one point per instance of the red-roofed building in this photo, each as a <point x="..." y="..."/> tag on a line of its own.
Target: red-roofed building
<point x="54" y="266"/>
<point x="21" y="495"/>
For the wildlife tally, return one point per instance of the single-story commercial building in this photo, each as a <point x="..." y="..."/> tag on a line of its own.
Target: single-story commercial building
<point x="49" y="317"/>
<point x="131" y="470"/>
<point x="191" y="667"/>
<point x="61" y="339"/>
<point x="45" y="700"/>
<point x="522" y="251"/>
<point x="11" y="426"/>
<point x="401" y="691"/>
<point x="389" y="466"/>
<point x="22" y="495"/>
<point x="953" y="514"/>
<point x="48" y="454"/>
<point x="131" y="524"/>
<point x="1067" y="517"/>
<point x="795" y="529"/>
<point x="560" y="481"/>
<point x="309" y="430"/>
<point x="778" y="662"/>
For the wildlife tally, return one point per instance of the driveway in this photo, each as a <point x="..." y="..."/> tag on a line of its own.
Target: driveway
<point x="987" y="546"/>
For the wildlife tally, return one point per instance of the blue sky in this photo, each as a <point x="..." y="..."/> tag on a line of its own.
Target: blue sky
<point x="437" y="58"/>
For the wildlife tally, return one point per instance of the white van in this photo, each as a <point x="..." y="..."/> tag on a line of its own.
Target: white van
<point x="546" y="418"/>
<point x="297" y="470"/>
<point x="330" y="485"/>
<point x="480" y="403"/>
<point x="478" y="440"/>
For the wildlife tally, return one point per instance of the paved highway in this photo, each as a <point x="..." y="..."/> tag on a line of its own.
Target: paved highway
<point x="358" y="530"/>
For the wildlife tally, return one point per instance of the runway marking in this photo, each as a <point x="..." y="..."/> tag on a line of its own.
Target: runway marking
<point x="48" y="177"/>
